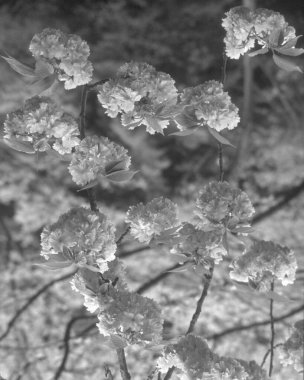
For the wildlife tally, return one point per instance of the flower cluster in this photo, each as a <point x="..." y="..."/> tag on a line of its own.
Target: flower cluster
<point x="95" y="157"/>
<point x="66" y="53"/>
<point x="199" y="245"/>
<point x="193" y="359"/>
<point x="264" y="262"/>
<point x="245" y="27"/>
<point x="42" y="123"/>
<point x="129" y="316"/>
<point x="80" y="236"/>
<point x="150" y="220"/>
<point x="141" y="95"/>
<point x="291" y="353"/>
<point x="208" y="104"/>
<point x="221" y="205"/>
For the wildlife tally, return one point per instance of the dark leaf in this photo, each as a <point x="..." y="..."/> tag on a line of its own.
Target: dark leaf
<point x="219" y="137"/>
<point x="54" y="265"/>
<point x="292" y="52"/>
<point x="89" y="185"/>
<point x="19" y="67"/>
<point x="115" y="166"/>
<point x="186" y="132"/>
<point x="121" y="175"/>
<point x="291" y="43"/>
<point x="286" y="64"/>
<point x="185" y="121"/>
<point x="258" y="52"/>
<point x="19" y="145"/>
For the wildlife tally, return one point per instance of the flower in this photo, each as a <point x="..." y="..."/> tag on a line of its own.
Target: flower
<point x="291" y="353"/>
<point x="42" y="123"/>
<point x="130" y="316"/>
<point x="66" y="53"/>
<point x="152" y="219"/>
<point x="95" y="157"/>
<point x="141" y="95"/>
<point x="238" y="24"/>
<point x="264" y="262"/>
<point x="221" y="205"/>
<point x="208" y="104"/>
<point x="81" y="236"/>
<point x="199" y="245"/>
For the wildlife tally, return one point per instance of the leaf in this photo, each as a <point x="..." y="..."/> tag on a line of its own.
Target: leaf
<point x="43" y="69"/>
<point x="185" y="121"/>
<point x="291" y="43"/>
<point x="276" y="37"/>
<point x="42" y="84"/>
<point x="186" y="132"/>
<point x="19" y="145"/>
<point x="292" y="52"/>
<point x="19" y="67"/>
<point x="117" y="342"/>
<point x="286" y="64"/>
<point x="121" y="175"/>
<point x="89" y="185"/>
<point x="220" y="138"/>
<point x="54" y="265"/>
<point x="154" y="124"/>
<point x="115" y="166"/>
<point x="264" y="50"/>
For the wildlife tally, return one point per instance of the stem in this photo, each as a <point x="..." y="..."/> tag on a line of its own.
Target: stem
<point x="208" y="278"/>
<point x="272" y="333"/>
<point x="120" y="239"/>
<point x="224" y="69"/>
<point x="220" y="152"/>
<point x="123" y="364"/>
<point x="268" y="352"/>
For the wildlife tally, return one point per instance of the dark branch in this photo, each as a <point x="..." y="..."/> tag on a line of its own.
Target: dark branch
<point x="272" y="332"/>
<point x="123" y="364"/>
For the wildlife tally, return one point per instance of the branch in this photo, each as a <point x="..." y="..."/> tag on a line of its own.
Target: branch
<point x="66" y="341"/>
<point x="123" y="364"/>
<point x="133" y="251"/>
<point x="268" y="352"/>
<point x="120" y="239"/>
<point x="272" y="332"/>
<point x="220" y="150"/>
<point x="31" y="300"/>
<point x="255" y="324"/>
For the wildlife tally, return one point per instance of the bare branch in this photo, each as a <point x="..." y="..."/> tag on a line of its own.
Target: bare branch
<point x="272" y="332"/>
<point x="123" y="364"/>
<point x="120" y="239"/>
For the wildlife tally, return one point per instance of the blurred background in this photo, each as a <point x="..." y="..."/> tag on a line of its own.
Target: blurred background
<point x="185" y="39"/>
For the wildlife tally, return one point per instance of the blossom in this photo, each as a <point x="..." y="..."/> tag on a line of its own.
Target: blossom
<point x="238" y="24"/>
<point x="245" y="27"/>
<point x="291" y="353"/>
<point x="42" y="123"/>
<point x="221" y="205"/>
<point x="66" y="53"/>
<point x="207" y="104"/>
<point x="226" y="368"/>
<point x="129" y="316"/>
<point x="81" y="236"/>
<point x="264" y="262"/>
<point x="141" y="95"/>
<point x="95" y="157"/>
<point x="152" y="219"/>
<point x="199" y="245"/>
<point x="190" y="355"/>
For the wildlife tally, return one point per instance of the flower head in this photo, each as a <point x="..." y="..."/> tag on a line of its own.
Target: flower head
<point x="152" y="219"/>
<point x="95" y="157"/>
<point x="264" y="262"/>
<point x="42" y="123"/>
<point x="130" y="316"/>
<point x="66" y="53"/>
<point x="141" y="95"/>
<point x="291" y="353"/>
<point x="208" y="104"/>
<point x="81" y="236"/>
<point x="219" y="204"/>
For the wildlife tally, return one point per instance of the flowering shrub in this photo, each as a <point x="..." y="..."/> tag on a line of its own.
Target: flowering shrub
<point x="43" y="124"/>
<point x="67" y="55"/>
<point x="264" y="262"/>
<point x="85" y="238"/>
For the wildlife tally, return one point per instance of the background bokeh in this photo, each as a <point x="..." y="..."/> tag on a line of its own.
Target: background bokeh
<point x="184" y="39"/>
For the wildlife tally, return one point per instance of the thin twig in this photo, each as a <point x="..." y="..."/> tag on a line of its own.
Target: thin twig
<point x="123" y="364"/>
<point x="220" y="152"/>
<point x="224" y="69"/>
<point x="208" y="278"/>
<point x="120" y="239"/>
<point x="255" y="324"/>
<point x="268" y="352"/>
<point x="272" y="332"/>
<point x="133" y="251"/>
<point x="31" y="300"/>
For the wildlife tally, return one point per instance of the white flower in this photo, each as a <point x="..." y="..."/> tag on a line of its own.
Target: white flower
<point x="152" y="219"/>
<point x="67" y="53"/>
<point x="42" y="123"/>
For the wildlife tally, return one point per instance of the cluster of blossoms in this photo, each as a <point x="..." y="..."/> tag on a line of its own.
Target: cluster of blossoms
<point x="264" y="262"/>
<point x="95" y="157"/>
<point x="150" y="220"/>
<point x="194" y="360"/>
<point x="199" y="245"/>
<point x="245" y="27"/>
<point x="80" y="236"/>
<point x="43" y="124"/>
<point x="141" y="95"/>
<point x="208" y="104"/>
<point x="67" y="55"/>
<point x="291" y="353"/>
<point x="219" y="205"/>
<point x="129" y="316"/>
